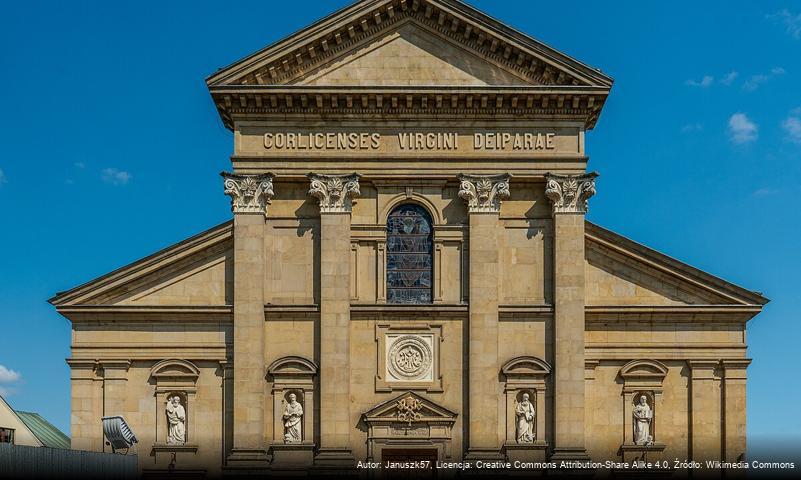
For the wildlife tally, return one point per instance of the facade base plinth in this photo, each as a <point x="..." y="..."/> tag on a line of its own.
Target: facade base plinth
<point x="644" y="453"/>
<point x="292" y="456"/>
<point x="525" y="452"/>
<point x="483" y="454"/>
<point x="335" y="458"/>
<point x="248" y="458"/>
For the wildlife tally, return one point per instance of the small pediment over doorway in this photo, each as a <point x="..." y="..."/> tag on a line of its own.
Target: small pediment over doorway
<point x="409" y="421"/>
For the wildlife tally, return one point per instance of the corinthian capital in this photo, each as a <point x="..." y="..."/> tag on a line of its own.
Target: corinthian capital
<point x="569" y="193"/>
<point x="249" y="193"/>
<point x="484" y="194"/>
<point x="334" y="192"/>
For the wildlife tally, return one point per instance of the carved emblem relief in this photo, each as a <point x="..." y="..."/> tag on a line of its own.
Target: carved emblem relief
<point x="409" y="409"/>
<point x="249" y="193"/>
<point x="410" y="357"/>
<point x="334" y="192"/>
<point x="484" y="194"/>
<point x="570" y="193"/>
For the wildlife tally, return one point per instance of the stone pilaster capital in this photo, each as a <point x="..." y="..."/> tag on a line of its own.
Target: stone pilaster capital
<point x="570" y="193"/>
<point x="249" y="193"/>
<point x="483" y="194"/>
<point x="334" y="192"/>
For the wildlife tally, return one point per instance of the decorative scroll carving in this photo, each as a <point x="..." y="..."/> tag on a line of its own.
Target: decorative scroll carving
<point x="483" y="194"/>
<point x="570" y="193"/>
<point x="249" y="193"/>
<point x="409" y="409"/>
<point x="334" y="192"/>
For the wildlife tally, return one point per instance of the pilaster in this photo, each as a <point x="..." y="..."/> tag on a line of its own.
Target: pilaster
<point x="335" y="194"/>
<point x="734" y="380"/>
<point x="705" y="441"/>
<point x="569" y="195"/>
<point x="250" y="195"/>
<point x="86" y="393"/>
<point x="483" y="195"/>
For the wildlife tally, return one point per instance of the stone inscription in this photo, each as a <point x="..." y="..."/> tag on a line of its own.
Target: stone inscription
<point x="410" y="141"/>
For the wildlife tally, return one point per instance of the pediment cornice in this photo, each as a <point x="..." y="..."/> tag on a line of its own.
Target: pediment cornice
<point x="284" y="62"/>
<point x="573" y="103"/>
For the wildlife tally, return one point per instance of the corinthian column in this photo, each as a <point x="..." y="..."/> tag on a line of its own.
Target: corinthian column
<point x="483" y="196"/>
<point x="569" y="195"/>
<point x="250" y="195"/>
<point x="335" y="194"/>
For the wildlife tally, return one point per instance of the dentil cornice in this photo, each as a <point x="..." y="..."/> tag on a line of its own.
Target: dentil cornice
<point x="249" y="193"/>
<point x="570" y="193"/>
<point x="483" y="194"/>
<point x="334" y="192"/>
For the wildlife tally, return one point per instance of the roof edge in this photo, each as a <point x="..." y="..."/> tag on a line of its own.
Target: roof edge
<point x="62" y="298"/>
<point x="711" y="282"/>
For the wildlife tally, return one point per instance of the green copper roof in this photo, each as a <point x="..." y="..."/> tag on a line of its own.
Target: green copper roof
<point x="45" y="431"/>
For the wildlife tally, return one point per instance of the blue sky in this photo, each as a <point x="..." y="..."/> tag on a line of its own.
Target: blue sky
<point x="110" y="149"/>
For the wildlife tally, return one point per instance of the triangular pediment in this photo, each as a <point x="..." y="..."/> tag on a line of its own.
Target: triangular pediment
<point x="411" y="55"/>
<point x="408" y="42"/>
<point x="621" y="272"/>
<point x="411" y="408"/>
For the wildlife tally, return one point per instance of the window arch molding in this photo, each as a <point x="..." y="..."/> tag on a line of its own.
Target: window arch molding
<point x="413" y="198"/>
<point x="409" y="261"/>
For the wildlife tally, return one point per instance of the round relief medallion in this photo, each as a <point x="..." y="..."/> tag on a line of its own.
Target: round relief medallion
<point x="410" y="358"/>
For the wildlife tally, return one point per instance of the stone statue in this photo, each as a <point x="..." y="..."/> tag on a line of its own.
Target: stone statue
<point x="643" y="415"/>
<point x="293" y="413"/>
<point x="176" y="421"/>
<point x="524" y="411"/>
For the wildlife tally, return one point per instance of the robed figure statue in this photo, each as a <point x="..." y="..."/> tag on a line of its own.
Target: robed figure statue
<point x="643" y="415"/>
<point x="293" y="413"/>
<point x="176" y="421"/>
<point x="524" y="411"/>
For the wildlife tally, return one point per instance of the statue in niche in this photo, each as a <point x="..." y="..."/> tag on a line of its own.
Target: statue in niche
<point x="643" y="416"/>
<point x="524" y="411"/>
<point x="293" y="413"/>
<point x="176" y="421"/>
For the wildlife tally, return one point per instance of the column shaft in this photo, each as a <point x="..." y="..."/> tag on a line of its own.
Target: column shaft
<point x="334" y="331"/>
<point x="569" y="196"/>
<point x="249" y="382"/>
<point x="705" y="439"/>
<point x="734" y="380"/>
<point x="569" y="408"/>
<point x="483" y="384"/>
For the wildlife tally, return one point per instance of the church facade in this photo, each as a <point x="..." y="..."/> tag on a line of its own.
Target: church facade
<point x="409" y="274"/>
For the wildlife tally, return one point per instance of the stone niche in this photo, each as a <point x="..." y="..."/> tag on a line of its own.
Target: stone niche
<point x="173" y="378"/>
<point x="292" y="376"/>
<point x="642" y="378"/>
<point x="525" y="375"/>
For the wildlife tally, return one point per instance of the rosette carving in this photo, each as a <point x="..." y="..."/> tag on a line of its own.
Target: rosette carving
<point x="484" y="193"/>
<point x="249" y="193"/>
<point x="570" y="193"/>
<point x="334" y="192"/>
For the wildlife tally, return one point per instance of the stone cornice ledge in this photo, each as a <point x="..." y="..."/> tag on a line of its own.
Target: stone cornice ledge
<point x="566" y="102"/>
<point x="713" y="313"/>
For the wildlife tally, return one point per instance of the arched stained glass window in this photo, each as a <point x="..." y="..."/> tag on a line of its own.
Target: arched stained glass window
<point x="409" y="255"/>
